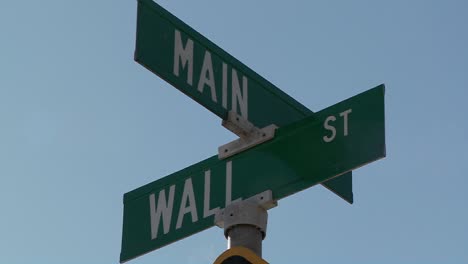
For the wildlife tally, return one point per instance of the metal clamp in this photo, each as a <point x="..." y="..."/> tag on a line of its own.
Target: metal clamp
<point x="249" y="212"/>
<point x="249" y="135"/>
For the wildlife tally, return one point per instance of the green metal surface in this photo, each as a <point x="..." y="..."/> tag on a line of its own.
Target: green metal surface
<point x="265" y="104"/>
<point x="333" y="141"/>
<point x="155" y="49"/>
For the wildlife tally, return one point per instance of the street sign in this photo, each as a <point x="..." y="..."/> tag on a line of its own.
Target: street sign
<point x="206" y="73"/>
<point x="325" y="145"/>
<point x="212" y="77"/>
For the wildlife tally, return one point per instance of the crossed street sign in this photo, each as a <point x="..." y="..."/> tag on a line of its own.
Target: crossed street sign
<point x="333" y="141"/>
<point x="209" y="75"/>
<point x="307" y="149"/>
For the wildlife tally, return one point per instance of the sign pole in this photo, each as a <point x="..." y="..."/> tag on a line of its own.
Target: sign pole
<point x="247" y="236"/>
<point x="245" y="222"/>
<point x="245" y="225"/>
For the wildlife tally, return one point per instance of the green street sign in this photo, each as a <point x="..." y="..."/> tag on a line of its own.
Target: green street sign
<point x="325" y="145"/>
<point x="206" y="73"/>
<point x="212" y="77"/>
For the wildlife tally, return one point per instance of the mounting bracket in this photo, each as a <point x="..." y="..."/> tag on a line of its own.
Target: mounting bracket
<point x="249" y="135"/>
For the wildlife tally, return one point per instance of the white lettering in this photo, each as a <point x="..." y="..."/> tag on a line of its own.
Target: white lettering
<point x="206" y="201"/>
<point x="164" y="208"/>
<point x="191" y="208"/>
<point x="225" y="81"/>
<point x="206" y="76"/>
<point x="329" y="127"/>
<point x="345" y="120"/>
<point x="237" y="96"/>
<point x="229" y="184"/>
<point x="185" y="55"/>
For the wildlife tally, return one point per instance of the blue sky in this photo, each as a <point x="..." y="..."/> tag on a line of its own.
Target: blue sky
<point x="82" y="123"/>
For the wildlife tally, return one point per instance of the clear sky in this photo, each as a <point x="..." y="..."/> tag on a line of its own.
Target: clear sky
<point x="81" y="124"/>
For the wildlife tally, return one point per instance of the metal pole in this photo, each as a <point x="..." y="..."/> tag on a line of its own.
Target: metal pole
<point x="245" y="225"/>
<point x="247" y="236"/>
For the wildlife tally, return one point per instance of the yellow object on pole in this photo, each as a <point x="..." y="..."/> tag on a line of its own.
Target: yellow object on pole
<point x="246" y="254"/>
